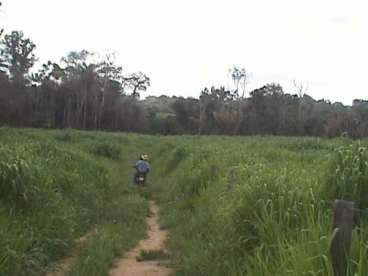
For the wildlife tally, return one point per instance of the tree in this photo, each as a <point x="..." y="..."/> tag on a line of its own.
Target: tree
<point x="17" y="56"/>
<point x="137" y="82"/>
<point x="186" y="114"/>
<point x="111" y="77"/>
<point x="239" y="76"/>
<point x="217" y="110"/>
<point x="268" y="102"/>
<point x="1" y="30"/>
<point x="79" y="84"/>
<point x="48" y="71"/>
<point x="301" y="89"/>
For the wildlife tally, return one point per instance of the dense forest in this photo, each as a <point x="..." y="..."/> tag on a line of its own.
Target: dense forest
<point x="86" y="92"/>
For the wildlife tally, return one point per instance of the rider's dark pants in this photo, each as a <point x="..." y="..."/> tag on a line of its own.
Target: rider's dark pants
<point x="137" y="174"/>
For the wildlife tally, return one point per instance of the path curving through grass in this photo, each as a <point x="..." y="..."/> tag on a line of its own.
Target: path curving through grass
<point x="145" y="258"/>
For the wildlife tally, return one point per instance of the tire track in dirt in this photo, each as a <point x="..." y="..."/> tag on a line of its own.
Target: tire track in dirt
<point x="156" y="239"/>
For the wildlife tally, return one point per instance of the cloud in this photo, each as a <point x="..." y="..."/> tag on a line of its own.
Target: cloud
<point x="339" y="20"/>
<point x="186" y="45"/>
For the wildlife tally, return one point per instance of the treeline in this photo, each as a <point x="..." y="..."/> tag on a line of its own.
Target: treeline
<point x="84" y="92"/>
<point x="268" y="110"/>
<point x="79" y="92"/>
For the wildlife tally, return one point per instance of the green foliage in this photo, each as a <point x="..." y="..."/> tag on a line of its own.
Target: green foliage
<point x="17" y="55"/>
<point x="234" y="206"/>
<point x="106" y="149"/>
<point x="305" y="144"/>
<point x="65" y="136"/>
<point x="348" y="175"/>
<point x="152" y="255"/>
<point x="52" y="191"/>
<point x="120" y="230"/>
<point x="255" y="206"/>
<point x="16" y="187"/>
<point x="179" y="154"/>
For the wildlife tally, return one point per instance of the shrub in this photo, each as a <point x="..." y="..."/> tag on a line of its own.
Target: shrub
<point x="65" y="136"/>
<point x="16" y="187"/>
<point x="348" y="175"/>
<point x="104" y="149"/>
<point x="152" y="255"/>
<point x="179" y="154"/>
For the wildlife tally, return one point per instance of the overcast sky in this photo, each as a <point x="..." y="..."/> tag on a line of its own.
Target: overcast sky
<point x="189" y="44"/>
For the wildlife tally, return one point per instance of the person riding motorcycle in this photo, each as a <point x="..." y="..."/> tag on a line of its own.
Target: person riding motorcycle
<point x="142" y="167"/>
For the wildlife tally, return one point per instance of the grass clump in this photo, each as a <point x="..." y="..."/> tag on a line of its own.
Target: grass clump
<point x="153" y="255"/>
<point x="348" y="175"/>
<point x="65" y="136"/>
<point x="16" y="186"/>
<point x="104" y="149"/>
<point x="179" y="154"/>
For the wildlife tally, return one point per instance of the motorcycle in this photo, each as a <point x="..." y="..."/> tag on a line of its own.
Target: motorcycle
<point x="140" y="179"/>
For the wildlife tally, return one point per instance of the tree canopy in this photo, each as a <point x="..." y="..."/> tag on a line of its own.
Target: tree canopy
<point x="85" y="92"/>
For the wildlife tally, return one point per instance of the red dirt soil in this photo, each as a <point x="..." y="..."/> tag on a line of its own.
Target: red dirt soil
<point x="156" y="239"/>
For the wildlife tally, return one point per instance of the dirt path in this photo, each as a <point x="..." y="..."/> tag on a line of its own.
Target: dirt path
<point x="156" y="238"/>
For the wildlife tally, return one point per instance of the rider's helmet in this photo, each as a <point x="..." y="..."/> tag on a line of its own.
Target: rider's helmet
<point x="145" y="157"/>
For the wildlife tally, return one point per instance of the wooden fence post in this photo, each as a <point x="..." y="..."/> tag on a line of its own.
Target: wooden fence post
<point x="343" y="220"/>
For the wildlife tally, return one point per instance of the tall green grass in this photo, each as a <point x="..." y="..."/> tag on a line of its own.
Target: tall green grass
<point x="258" y="205"/>
<point x="56" y="186"/>
<point x="233" y="205"/>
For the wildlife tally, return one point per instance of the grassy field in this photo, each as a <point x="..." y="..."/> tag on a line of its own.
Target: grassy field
<point x="233" y="205"/>
<point x="55" y="186"/>
<point x="259" y="205"/>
